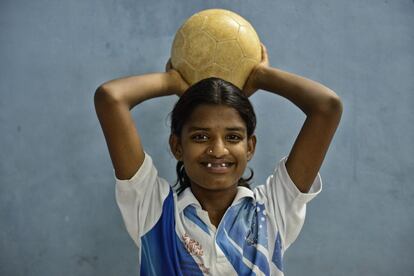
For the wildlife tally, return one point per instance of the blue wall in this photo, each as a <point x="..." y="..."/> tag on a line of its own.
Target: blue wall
<point x="58" y="214"/>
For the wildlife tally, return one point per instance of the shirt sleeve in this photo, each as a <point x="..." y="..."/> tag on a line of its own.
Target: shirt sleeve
<point x="286" y="204"/>
<point x="140" y="199"/>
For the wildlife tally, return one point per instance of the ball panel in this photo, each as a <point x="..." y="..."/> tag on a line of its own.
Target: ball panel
<point x="177" y="48"/>
<point x="187" y="71"/>
<point x="213" y="12"/>
<point x="193" y="24"/>
<point x="242" y="71"/>
<point x="249" y="42"/>
<point x="221" y="27"/>
<point x="239" y="19"/>
<point x="214" y="70"/>
<point x="198" y="49"/>
<point x="228" y="54"/>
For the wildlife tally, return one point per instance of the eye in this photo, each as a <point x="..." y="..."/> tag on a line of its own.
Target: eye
<point x="199" y="137"/>
<point x="234" y="138"/>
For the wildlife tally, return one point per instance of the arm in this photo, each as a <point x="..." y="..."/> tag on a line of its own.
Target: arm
<point x="113" y="102"/>
<point x="323" y="110"/>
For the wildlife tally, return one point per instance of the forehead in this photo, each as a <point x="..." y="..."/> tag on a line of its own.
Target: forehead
<point x="214" y="116"/>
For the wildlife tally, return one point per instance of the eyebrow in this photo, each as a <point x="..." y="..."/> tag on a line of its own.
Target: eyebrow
<point x="195" y="128"/>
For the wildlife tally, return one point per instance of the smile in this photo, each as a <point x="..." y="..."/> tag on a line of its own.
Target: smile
<point x="217" y="167"/>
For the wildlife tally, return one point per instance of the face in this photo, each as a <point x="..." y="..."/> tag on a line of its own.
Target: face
<point x="214" y="147"/>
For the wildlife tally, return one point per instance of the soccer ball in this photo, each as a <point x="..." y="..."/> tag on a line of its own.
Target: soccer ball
<point x="216" y="43"/>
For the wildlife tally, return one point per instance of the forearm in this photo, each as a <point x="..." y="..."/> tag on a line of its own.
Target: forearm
<point x="136" y="89"/>
<point x="113" y="102"/>
<point x="310" y="96"/>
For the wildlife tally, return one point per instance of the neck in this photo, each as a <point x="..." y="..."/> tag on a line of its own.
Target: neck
<point x="215" y="202"/>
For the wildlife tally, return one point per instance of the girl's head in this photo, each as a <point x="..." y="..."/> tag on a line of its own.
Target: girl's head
<point x="212" y="135"/>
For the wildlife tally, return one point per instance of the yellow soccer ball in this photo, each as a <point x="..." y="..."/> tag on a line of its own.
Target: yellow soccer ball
<point x="216" y="43"/>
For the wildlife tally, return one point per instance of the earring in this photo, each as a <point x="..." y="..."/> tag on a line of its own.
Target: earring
<point x="210" y="151"/>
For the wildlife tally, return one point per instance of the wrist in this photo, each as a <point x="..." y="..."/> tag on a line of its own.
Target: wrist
<point x="259" y="76"/>
<point x="176" y="84"/>
<point x="275" y="80"/>
<point x="170" y="83"/>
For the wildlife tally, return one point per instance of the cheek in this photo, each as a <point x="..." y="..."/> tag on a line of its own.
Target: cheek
<point x="242" y="151"/>
<point x="194" y="150"/>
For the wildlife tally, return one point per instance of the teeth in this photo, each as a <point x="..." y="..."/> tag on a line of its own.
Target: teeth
<point x="209" y="165"/>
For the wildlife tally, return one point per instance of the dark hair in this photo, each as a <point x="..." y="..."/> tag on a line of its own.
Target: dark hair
<point x="210" y="91"/>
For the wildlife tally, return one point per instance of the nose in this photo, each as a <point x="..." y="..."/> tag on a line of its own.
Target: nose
<point x="217" y="148"/>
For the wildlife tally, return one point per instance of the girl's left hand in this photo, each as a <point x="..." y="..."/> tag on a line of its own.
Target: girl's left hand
<point x="177" y="83"/>
<point x="250" y="86"/>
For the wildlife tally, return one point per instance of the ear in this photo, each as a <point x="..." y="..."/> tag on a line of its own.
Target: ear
<point x="251" y="146"/>
<point x="175" y="147"/>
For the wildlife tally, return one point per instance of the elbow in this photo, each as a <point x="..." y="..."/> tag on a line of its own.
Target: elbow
<point x="104" y="95"/>
<point x="335" y="105"/>
<point x="102" y="91"/>
<point x="331" y="106"/>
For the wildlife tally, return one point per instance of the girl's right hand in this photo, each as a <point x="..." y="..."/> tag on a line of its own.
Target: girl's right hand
<point x="177" y="83"/>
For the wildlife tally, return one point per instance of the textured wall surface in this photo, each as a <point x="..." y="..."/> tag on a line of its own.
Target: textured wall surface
<point x="58" y="214"/>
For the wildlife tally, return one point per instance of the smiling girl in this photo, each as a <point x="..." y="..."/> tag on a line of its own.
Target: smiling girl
<point x="210" y="222"/>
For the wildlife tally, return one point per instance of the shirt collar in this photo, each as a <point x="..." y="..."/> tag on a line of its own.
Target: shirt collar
<point x="187" y="198"/>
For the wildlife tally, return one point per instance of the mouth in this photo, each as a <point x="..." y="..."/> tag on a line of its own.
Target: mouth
<point x="217" y="167"/>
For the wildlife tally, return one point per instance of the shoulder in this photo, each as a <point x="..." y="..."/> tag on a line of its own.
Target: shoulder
<point x="142" y="199"/>
<point x="280" y="190"/>
<point x="144" y="186"/>
<point x="145" y="174"/>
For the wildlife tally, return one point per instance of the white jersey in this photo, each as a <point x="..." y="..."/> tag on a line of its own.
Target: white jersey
<point x="175" y="237"/>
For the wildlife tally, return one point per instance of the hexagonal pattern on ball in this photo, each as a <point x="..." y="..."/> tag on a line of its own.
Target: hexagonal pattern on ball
<point x="177" y="50"/>
<point x="239" y="19"/>
<point x="198" y="49"/>
<point x="194" y="24"/>
<point x="221" y="27"/>
<point x="249" y="43"/>
<point x="228" y="53"/>
<point x="214" y="70"/>
<point x="242" y="71"/>
<point x="187" y="71"/>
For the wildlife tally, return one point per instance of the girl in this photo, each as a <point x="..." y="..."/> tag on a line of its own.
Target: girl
<point x="212" y="223"/>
